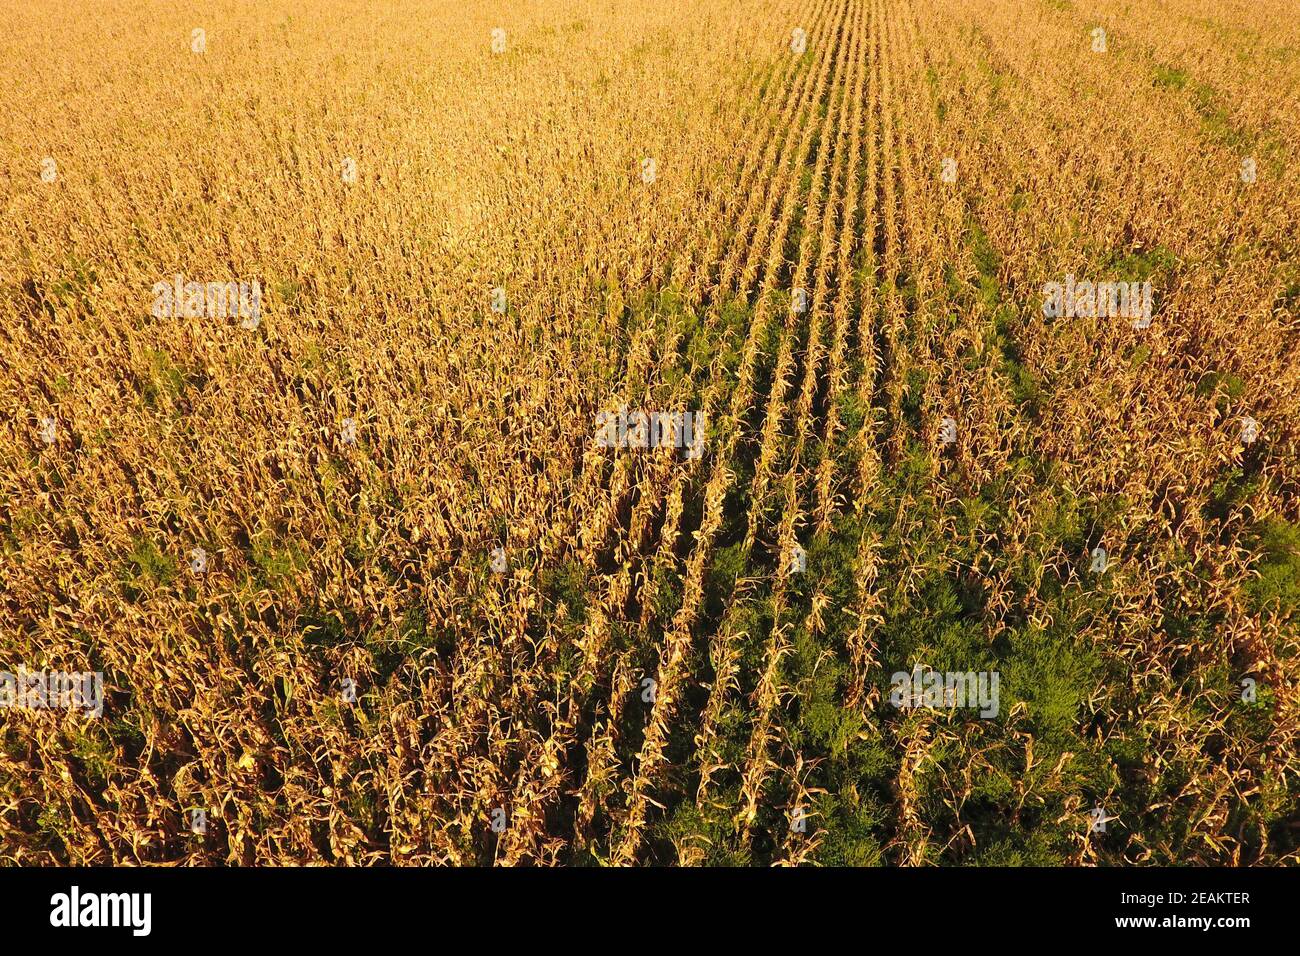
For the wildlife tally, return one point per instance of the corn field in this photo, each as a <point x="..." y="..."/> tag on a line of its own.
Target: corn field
<point x="309" y="319"/>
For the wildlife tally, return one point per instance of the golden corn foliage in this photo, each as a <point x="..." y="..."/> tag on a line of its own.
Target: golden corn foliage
<point x="650" y="679"/>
